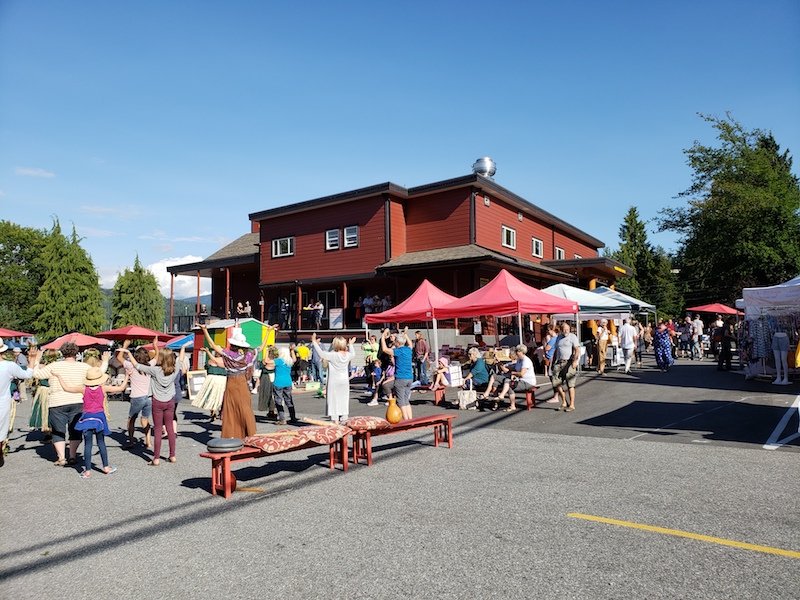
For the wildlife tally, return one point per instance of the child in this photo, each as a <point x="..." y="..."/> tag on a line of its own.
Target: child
<point x="442" y="374"/>
<point x="93" y="420"/>
<point x="376" y="373"/>
<point x="384" y="385"/>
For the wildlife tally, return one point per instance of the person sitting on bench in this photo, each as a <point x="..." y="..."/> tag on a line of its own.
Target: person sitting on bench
<point x="522" y="373"/>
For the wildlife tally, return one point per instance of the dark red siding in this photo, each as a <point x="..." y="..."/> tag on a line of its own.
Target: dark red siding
<point x="438" y="220"/>
<point x="310" y="259"/>
<point x="398" y="220"/>
<point x="572" y="247"/>
<point x="490" y="219"/>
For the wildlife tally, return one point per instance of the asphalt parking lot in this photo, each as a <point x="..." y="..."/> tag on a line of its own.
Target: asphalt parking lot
<point x="507" y="513"/>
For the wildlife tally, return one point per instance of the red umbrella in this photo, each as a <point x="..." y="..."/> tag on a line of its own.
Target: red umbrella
<point x="7" y="333"/>
<point x="134" y="332"/>
<point x="717" y="308"/>
<point x="79" y="339"/>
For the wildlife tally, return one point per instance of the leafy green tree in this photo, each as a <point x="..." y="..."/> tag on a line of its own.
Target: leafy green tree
<point x="741" y="226"/>
<point x="21" y="274"/>
<point x="69" y="298"/>
<point x="137" y="299"/>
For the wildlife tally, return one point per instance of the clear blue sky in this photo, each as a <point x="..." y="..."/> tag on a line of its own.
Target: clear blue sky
<point x="156" y="127"/>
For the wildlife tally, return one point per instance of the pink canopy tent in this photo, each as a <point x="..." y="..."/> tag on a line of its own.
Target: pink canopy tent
<point x="506" y="295"/>
<point x="79" y="339"/>
<point x="9" y="333"/>
<point x="423" y="305"/>
<point x="134" y="332"/>
<point x="717" y="308"/>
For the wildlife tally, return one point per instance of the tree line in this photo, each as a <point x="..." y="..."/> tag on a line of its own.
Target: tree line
<point x="51" y="286"/>
<point x="739" y="226"/>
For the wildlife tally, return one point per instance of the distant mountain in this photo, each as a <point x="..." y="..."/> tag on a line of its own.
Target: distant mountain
<point x="206" y="299"/>
<point x="184" y="306"/>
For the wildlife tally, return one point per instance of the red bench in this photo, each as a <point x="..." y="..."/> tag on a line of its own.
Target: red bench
<point x="442" y="432"/>
<point x="530" y="398"/>
<point x="223" y="481"/>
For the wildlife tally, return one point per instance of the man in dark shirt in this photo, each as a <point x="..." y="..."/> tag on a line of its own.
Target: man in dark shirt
<point x="421" y="352"/>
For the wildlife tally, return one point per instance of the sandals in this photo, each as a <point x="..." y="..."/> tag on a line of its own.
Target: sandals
<point x="510" y="409"/>
<point x="173" y="459"/>
<point x="71" y="462"/>
<point x="153" y="463"/>
<point x="60" y="463"/>
<point x="110" y="470"/>
<point x="85" y="474"/>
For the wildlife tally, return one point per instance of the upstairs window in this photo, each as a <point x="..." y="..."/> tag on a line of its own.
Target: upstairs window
<point x="332" y="239"/>
<point x="509" y="237"/>
<point x="282" y="247"/>
<point x="351" y="236"/>
<point x="559" y="253"/>
<point x="537" y="248"/>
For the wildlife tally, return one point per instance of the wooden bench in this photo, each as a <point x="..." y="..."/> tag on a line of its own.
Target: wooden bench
<point x="530" y="398"/>
<point x="442" y="432"/>
<point x="223" y="481"/>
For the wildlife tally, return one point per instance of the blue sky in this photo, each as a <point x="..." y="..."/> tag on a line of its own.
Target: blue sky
<point x="156" y="127"/>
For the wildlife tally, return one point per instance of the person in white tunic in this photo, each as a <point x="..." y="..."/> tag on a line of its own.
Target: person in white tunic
<point x="338" y="390"/>
<point x="10" y="370"/>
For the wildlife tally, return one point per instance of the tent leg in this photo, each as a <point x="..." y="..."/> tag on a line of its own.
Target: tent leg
<point x="435" y="342"/>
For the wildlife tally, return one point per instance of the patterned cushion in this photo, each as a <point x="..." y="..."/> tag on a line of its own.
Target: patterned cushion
<point x="326" y="435"/>
<point x="278" y="441"/>
<point x="367" y="423"/>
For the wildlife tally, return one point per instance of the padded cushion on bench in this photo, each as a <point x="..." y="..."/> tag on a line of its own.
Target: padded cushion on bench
<point x="366" y="423"/>
<point x="326" y="435"/>
<point x="222" y="445"/>
<point x="278" y="441"/>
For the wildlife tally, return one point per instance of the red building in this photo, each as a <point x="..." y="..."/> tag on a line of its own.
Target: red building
<point x="385" y="239"/>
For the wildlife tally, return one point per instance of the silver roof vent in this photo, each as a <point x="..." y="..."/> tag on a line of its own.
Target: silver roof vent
<point x="484" y="166"/>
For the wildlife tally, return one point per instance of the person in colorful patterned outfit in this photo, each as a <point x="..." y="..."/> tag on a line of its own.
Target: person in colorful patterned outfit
<point x="662" y="346"/>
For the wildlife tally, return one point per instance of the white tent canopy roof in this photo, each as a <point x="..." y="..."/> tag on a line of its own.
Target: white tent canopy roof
<point x="588" y="301"/>
<point x="783" y="298"/>
<point x="635" y="303"/>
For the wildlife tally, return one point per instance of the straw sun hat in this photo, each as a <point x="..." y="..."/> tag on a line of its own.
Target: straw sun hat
<point x="3" y="346"/>
<point x="238" y="339"/>
<point x="95" y="376"/>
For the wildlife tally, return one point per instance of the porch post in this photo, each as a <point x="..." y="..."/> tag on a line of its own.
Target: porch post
<point x="299" y="308"/>
<point x="344" y="307"/>
<point x="227" y="292"/>
<point x="171" y="300"/>
<point x="197" y="308"/>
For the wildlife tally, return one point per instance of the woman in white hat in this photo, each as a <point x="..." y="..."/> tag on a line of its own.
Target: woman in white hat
<point x="93" y="419"/>
<point x="238" y="419"/>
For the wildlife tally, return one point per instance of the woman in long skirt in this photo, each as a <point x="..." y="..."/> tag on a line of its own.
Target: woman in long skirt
<point x="40" y="413"/>
<point x="238" y="419"/>
<point x="266" y="400"/>
<point x="338" y="389"/>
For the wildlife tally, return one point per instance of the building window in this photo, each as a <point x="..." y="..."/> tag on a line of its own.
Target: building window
<point x="537" y="248"/>
<point x="578" y="256"/>
<point x="332" y="239"/>
<point x="351" y="236"/>
<point x="559" y="253"/>
<point x="283" y="247"/>
<point x="509" y="237"/>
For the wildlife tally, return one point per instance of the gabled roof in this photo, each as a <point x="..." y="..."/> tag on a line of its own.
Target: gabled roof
<point x="241" y="251"/>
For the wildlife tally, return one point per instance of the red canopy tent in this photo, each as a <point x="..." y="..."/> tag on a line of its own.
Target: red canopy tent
<point x="79" y="339"/>
<point x="134" y="332"/>
<point x="717" y="308"/>
<point x="506" y="295"/>
<point x="8" y="333"/>
<point x="423" y="305"/>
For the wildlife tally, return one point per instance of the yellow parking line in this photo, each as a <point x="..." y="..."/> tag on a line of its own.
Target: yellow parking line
<point x="688" y="534"/>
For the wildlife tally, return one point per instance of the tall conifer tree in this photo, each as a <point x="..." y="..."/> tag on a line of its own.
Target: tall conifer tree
<point x="70" y="298"/>
<point x="137" y="299"/>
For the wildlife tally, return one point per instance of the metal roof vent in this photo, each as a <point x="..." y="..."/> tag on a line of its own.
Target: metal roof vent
<point x="484" y="166"/>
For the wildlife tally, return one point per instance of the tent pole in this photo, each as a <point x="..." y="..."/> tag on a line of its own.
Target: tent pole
<point x="519" y="324"/>
<point x="578" y="333"/>
<point x="435" y="342"/>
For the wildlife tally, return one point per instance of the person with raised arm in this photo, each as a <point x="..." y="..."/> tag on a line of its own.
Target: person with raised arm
<point x="404" y="373"/>
<point x="338" y="387"/>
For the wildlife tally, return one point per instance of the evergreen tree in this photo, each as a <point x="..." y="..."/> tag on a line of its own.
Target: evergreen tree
<point x="137" y="299"/>
<point x="634" y="251"/>
<point x="69" y="298"/>
<point x="21" y="274"/>
<point x="741" y="227"/>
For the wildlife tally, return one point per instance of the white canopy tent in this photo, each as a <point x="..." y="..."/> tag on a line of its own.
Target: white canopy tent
<point x="590" y="305"/>
<point x="780" y="299"/>
<point x="636" y="305"/>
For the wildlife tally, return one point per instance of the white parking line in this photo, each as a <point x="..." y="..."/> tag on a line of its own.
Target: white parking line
<point x="773" y="443"/>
